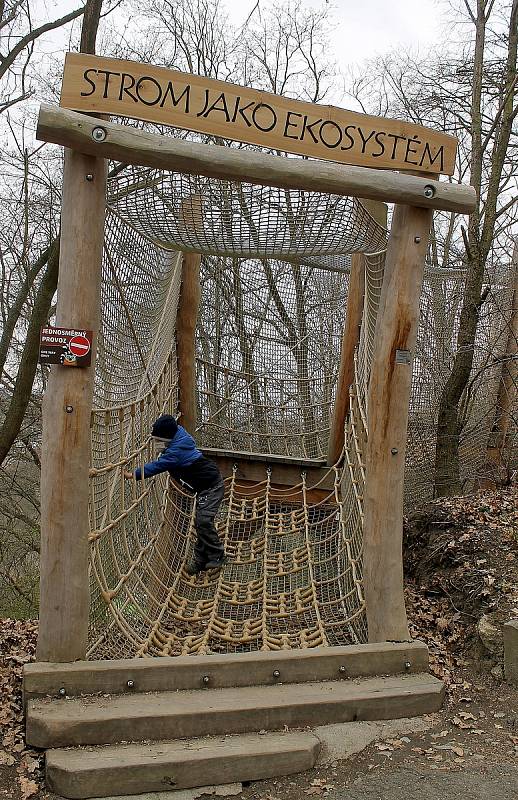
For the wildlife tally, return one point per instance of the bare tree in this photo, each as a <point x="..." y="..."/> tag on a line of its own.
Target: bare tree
<point x="18" y="37"/>
<point x="471" y="93"/>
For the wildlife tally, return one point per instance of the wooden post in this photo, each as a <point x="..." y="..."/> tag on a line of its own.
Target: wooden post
<point x="378" y="212"/>
<point x="350" y="340"/>
<point x="387" y="416"/>
<point x="67" y="405"/>
<point x="188" y="306"/>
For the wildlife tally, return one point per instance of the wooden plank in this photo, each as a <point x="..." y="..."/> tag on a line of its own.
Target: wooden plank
<point x="387" y="415"/>
<point x="168" y="673"/>
<point x="131" y="146"/>
<point x="205" y="105"/>
<point x="188" y="307"/>
<point x="378" y="211"/>
<point x="349" y="343"/>
<point x="64" y="589"/>
<point x="281" y="474"/>
<point x="132" y="769"/>
<point x="267" y="458"/>
<point x="183" y="715"/>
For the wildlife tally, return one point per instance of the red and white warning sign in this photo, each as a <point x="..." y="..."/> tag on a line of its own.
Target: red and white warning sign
<point x="79" y="345"/>
<point x="69" y="347"/>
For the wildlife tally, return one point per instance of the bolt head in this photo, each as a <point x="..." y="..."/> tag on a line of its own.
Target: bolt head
<point x="408" y="665"/>
<point x="206" y="679"/>
<point x="417" y="239"/>
<point x="62" y="692"/>
<point x="394" y="451"/>
<point x="342" y="669"/>
<point x="429" y="191"/>
<point x="89" y="177"/>
<point x="276" y="673"/>
<point x="98" y="134"/>
<point x="69" y="409"/>
<point x="130" y="684"/>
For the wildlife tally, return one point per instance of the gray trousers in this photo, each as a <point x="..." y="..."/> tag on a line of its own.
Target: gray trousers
<point x="208" y="546"/>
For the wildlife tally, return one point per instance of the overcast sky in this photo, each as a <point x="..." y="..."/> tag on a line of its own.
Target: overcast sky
<point x="364" y="28"/>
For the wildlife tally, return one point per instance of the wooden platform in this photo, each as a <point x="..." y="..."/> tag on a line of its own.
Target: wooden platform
<point x="285" y="471"/>
<point x="157" y="724"/>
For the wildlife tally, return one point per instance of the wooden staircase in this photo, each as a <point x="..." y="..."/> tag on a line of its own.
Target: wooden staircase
<point x="140" y="725"/>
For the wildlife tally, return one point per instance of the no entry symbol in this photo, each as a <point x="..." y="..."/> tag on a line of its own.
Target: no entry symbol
<point x="79" y="345"/>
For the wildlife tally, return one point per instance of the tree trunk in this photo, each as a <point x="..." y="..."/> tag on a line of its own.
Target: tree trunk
<point x="25" y="378"/>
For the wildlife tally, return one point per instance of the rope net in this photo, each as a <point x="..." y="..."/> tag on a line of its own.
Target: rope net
<point x="274" y="280"/>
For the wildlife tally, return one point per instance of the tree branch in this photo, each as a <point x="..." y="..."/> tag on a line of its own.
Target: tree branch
<point x="7" y="61"/>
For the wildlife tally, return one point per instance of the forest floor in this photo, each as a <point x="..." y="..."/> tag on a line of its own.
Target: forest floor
<point x="462" y="584"/>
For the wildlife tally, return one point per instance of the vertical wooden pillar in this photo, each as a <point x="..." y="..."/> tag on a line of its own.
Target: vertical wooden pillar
<point x="350" y="340"/>
<point x="388" y="401"/>
<point x="188" y="306"/>
<point x="67" y="405"/>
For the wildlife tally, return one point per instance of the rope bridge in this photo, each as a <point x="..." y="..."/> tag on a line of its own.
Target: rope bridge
<point x="274" y="284"/>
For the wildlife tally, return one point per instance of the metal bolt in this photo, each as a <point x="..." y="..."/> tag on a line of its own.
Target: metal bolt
<point x="62" y="692"/>
<point x="99" y="134"/>
<point x="130" y="684"/>
<point x="342" y="669"/>
<point x="69" y="409"/>
<point x="429" y="191"/>
<point x="408" y="665"/>
<point x="206" y="679"/>
<point x="89" y="177"/>
<point x="276" y="673"/>
<point x="417" y="239"/>
<point x="394" y="451"/>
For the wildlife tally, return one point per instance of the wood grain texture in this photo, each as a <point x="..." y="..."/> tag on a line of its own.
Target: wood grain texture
<point x="388" y="400"/>
<point x="131" y="146"/>
<point x="170" y="673"/>
<point x="188" y="306"/>
<point x="189" y="714"/>
<point x="134" y="769"/>
<point x="349" y="342"/>
<point x="64" y="589"/>
<point x="197" y="103"/>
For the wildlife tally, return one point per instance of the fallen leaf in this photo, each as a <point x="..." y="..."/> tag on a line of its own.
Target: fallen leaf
<point x="28" y="787"/>
<point x="6" y="759"/>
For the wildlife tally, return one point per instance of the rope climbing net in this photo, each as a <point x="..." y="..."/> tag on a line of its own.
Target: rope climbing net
<point x="274" y="280"/>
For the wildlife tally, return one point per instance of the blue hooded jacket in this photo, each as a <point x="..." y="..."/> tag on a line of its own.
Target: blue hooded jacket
<point x="182" y="459"/>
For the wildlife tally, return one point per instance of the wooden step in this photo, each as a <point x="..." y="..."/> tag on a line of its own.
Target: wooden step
<point x="159" y="766"/>
<point x="219" y="671"/>
<point x="188" y="714"/>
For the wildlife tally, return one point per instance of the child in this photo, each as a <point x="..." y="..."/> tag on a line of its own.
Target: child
<point x="188" y="466"/>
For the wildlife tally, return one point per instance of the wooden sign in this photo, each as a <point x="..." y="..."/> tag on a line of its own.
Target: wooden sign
<point x="69" y="347"/>
<point x="204" y="105"/>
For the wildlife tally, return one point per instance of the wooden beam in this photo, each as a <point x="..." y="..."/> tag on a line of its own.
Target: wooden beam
<point x="387" y="415"/>
<point x="251" y="467"/>
<point x="132" y="146"/>
<point x="350" y="340"/>
<point x="67" y="404"/>
<point x="188" y="306"/>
